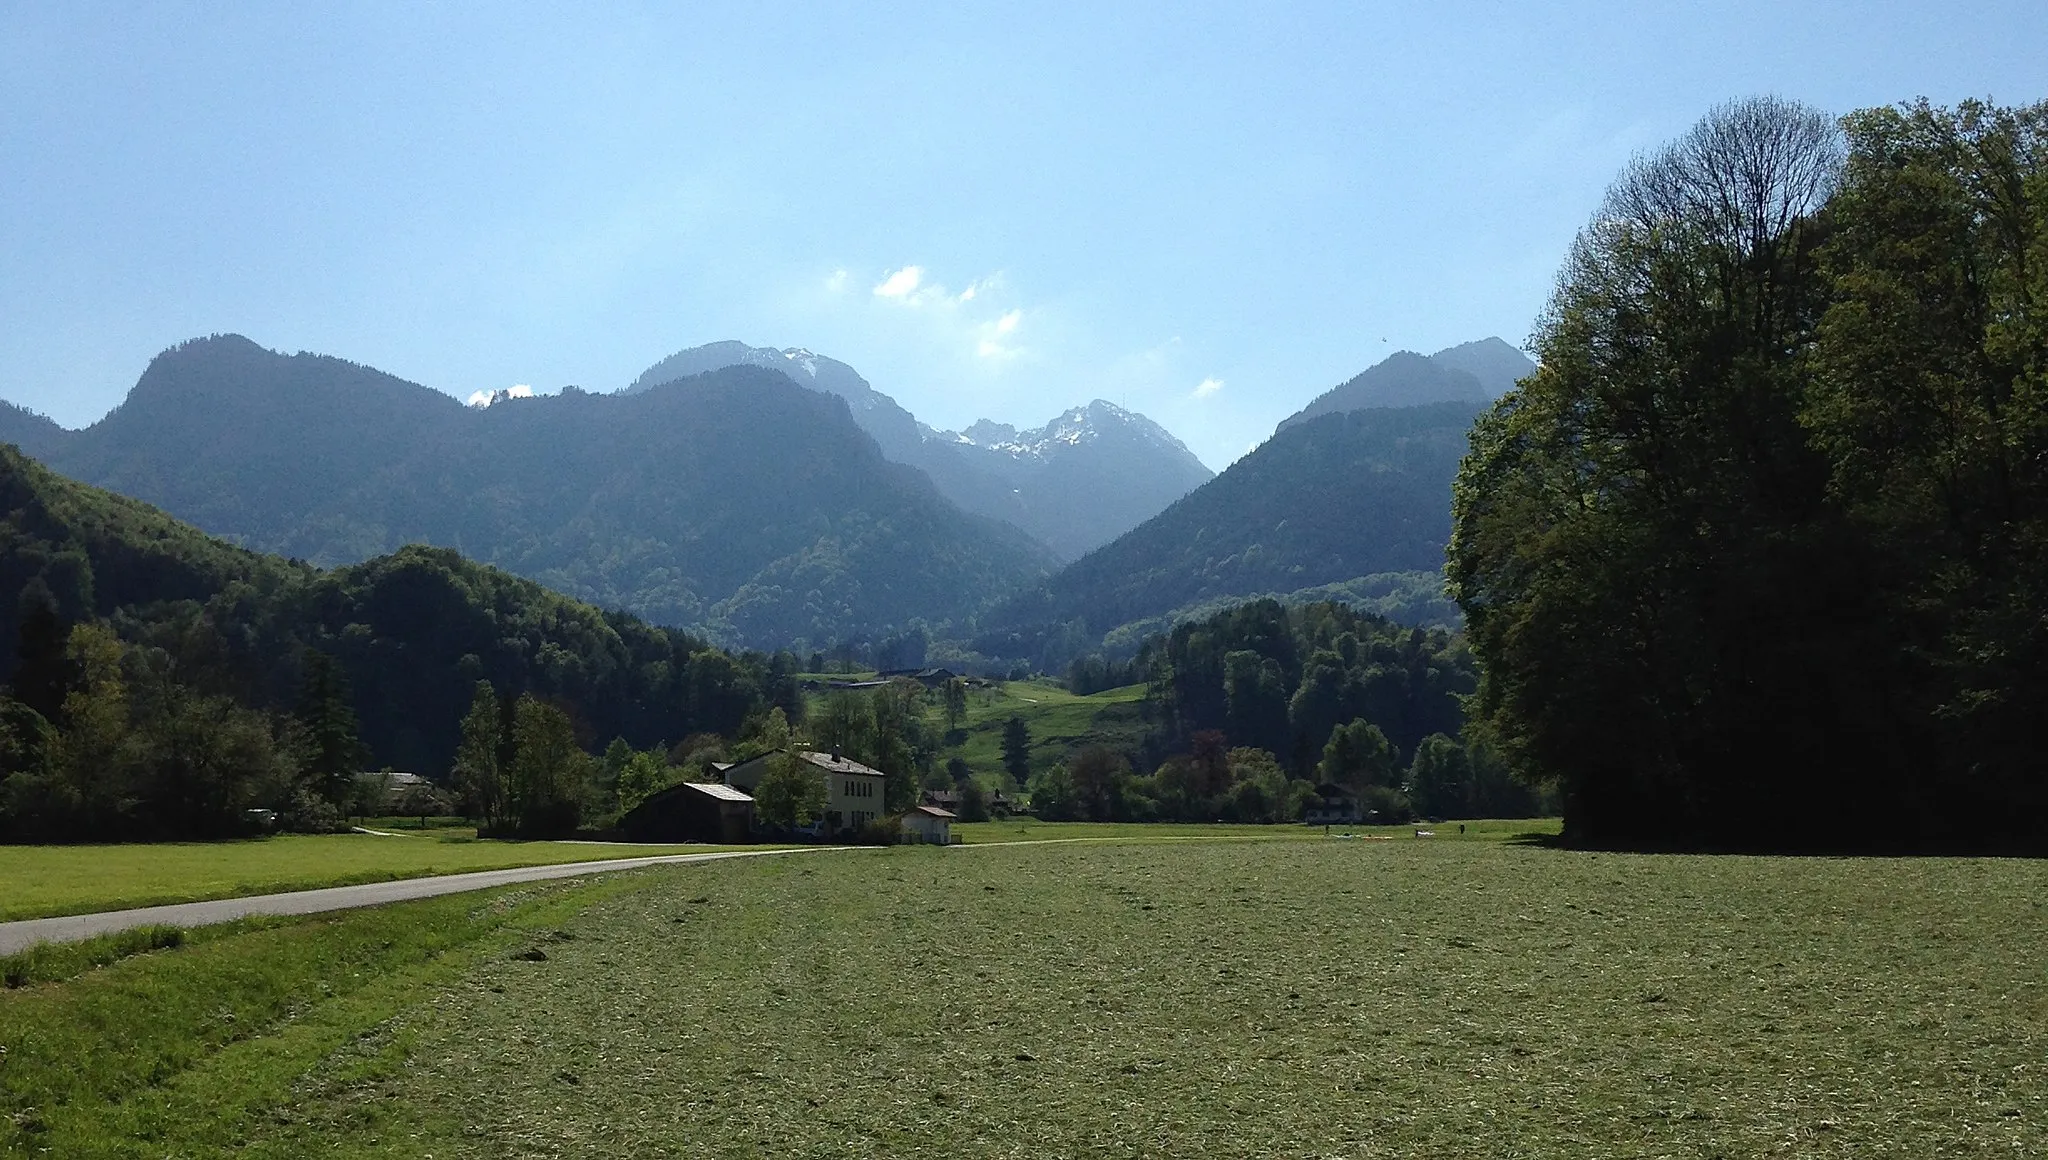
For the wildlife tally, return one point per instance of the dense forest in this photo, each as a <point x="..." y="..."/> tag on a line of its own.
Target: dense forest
<point x="1258" y="706"/>
<point x="164" y="681"/>
<point x="1765" y="541"/>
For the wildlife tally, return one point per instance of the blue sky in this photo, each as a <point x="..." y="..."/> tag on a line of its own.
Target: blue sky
<point x="1206" y="213"/>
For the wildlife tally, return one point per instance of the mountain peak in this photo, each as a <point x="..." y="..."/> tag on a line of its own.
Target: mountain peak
<point x="1474" y="372"/>
<point x="1492" y="361"/>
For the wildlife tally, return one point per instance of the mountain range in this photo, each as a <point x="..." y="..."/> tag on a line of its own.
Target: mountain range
<point x="773" y="497"/>
<point x="1084" y="478"/>
<point x="733" y="501"/>
<point x="1350" y="499"/>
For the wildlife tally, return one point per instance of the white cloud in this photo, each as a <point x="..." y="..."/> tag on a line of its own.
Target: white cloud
<point x="486" y="398"/>
<point x="900" y="283"/>
<point x="836" y="280"/>
<point x="980" y="322"/>
<point x="1207" y="387"/>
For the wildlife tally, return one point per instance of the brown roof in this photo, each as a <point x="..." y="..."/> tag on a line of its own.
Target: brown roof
<point x="936" y="812"/>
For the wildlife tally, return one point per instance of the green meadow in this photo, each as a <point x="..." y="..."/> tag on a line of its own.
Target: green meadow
<point x="40" y="881"/>
<point x="1192" y="997"/>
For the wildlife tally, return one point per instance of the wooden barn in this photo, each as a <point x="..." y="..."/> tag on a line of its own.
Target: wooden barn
<point x="692" y="812"/>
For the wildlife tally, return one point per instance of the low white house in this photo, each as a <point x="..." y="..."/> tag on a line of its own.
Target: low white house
<point x="929" y="825"/>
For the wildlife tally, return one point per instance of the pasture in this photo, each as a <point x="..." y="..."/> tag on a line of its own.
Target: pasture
<point x="1291" y="998"/>
<point x="40" y="881"/>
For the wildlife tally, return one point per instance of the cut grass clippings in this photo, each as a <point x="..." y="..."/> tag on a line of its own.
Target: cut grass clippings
<point x="1190" y="998"/>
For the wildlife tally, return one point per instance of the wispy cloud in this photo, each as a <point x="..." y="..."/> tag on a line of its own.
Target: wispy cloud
<point x="835" y="282"/>
<point x="1207" y="387"/>
<point x="901" y="284"/>
<point x="982" y="319"/>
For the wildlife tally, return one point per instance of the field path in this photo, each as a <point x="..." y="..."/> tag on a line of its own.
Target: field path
<point x="18" y="936"/>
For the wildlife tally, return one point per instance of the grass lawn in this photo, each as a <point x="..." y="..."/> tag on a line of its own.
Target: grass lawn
<point x="1289" y="998"/>
<point x="40" y="881"/>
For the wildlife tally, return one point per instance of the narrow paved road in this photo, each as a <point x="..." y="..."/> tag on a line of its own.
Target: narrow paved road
<point x="17" y="936"/>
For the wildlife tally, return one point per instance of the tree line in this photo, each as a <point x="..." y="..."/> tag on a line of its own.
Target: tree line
<point x="1764" y="542"/>
<point x="1261" y="708"/>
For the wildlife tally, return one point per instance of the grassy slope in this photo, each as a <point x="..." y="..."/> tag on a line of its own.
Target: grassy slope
<point x="1059" y="721"/>
<point x="50" y="880"/>
<point x="1288" y="998"/>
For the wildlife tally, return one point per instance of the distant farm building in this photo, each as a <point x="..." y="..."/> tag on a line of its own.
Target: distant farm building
<point x="1333" y="805"/>
<point x="691" y="812"/>
<point x="392" y="791"/>
<point x="929" y="678"/>
<point x="929" y="825"/>
<point x="853" y="792"/>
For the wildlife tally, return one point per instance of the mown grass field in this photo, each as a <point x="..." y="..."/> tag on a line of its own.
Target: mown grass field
<point x="1282" y="998"/>
<point x="40" y="881"/>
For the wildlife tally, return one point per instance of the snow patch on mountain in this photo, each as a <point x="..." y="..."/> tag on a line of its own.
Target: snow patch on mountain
<point x="1098" y="421"/>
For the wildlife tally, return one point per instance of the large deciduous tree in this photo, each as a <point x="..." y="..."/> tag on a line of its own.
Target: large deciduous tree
<point x="1931" y="400"/>
<point x="1766" y="536"/>
<point x="1641" y="545"/>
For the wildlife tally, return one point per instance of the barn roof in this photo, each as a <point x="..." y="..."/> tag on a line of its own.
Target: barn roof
<point x="936" y="812"/>
<point x="721" y="792"/>
<point x="832" y="764"/>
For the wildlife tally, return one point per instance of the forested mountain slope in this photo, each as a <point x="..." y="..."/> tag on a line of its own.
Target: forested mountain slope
<point x="1325" y="501"/>
<point x="413" y="631"/>
<point x="733" y="502"/>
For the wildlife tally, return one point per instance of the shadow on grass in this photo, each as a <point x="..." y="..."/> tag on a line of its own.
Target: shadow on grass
<point x="1809" y="846"/>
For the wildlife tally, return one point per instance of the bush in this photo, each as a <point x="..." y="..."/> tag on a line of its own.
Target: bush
<point x="880" y="832"/>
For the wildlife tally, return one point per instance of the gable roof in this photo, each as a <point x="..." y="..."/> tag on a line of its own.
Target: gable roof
<point x="833" y="764"/>
<point x="724" y="793"/>
<point x="936" y="812"/>
<point x="824" y="761"/>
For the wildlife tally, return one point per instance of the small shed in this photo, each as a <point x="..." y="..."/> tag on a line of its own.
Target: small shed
<point x="692" y="812"/>
<point x="929" y="825"/>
